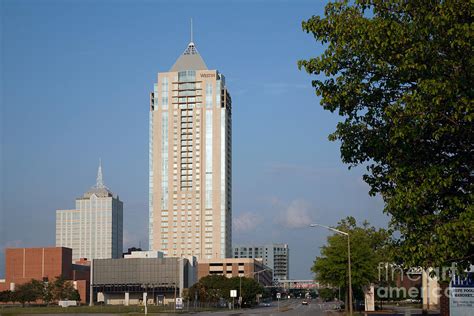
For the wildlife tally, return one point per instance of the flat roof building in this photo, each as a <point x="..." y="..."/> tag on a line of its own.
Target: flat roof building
<point x="276" y="256"/>
<point x="242" y="267"/>
<point x="94" y="230"/>
<point x="123" y="281"/>
<point x="190" y="174"/>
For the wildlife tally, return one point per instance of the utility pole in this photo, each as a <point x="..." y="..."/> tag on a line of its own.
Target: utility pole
<point x="348" y="257"/>
<point x="350" y="278"/>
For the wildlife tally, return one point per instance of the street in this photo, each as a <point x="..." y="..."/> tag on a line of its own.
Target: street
<point x="287" y="307"/>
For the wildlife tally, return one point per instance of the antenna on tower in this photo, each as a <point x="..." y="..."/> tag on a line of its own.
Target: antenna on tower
<point x="100" y="181"/>
<point x="191" y="30"/>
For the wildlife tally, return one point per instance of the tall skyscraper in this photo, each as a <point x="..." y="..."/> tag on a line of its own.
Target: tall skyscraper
<point x="190" y="197"/>
<point x="94" y="230"/>
<point x="276" y="256"/>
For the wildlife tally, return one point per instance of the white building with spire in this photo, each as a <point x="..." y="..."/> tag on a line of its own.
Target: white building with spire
<point x="94" y="229"/>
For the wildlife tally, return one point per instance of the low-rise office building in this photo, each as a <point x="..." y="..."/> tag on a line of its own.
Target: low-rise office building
<point x="124" y="281"/>
<point x="231" y="267"/>
<point x="276" y="256"/>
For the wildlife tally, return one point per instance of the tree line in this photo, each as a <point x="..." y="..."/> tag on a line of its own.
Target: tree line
<point x="213" y="288"/>
<point x="47" y="292"/>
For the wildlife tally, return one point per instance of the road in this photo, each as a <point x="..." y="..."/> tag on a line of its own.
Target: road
<point x="287" y="307"/>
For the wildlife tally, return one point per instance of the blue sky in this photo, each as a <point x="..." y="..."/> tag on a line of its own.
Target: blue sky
<point x="75" y="84"/>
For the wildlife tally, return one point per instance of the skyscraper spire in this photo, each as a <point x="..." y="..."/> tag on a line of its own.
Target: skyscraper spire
<point x="99" y="189"/>
<point x="192" y="31"/>
<point x="190" y="59"/>
<point x="100" y="181"/>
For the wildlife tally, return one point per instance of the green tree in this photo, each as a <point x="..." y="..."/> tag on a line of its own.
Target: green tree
<point x="369" y="246"/>
<point x="212" y="288"/>
<point x="26" y="293"/>
<point x="38" y="288"/>
<point x="209" y="288"/>
<point x="62" y="289"/>
<point x="197" y="292"/>
<point x="34" y="290"/>
<point x="400" y="74"/>
<point x="6" y="296"/>
<point x="48" y="296"/>
<point x="75" y="296"/>
<point x="250" y="289"/>
<point x="327" y="294"/>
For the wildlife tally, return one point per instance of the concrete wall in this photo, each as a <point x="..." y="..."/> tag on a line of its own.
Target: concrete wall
<point x="136" y="271"/>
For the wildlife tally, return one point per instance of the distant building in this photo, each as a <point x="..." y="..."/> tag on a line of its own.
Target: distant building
<point x="44" y="264"/>
<point x="124" y="281"/>
<point x="94" y="230"/>
<point x="130" y="250"/>
<point x="190" y="174"/>
<point x="240" y="267"/>
<point x="276" y="256"/>
<point x="144" y="254"/>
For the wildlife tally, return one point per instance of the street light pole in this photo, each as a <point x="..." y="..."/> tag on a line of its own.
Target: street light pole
<point x="348" y="257"/>
<point x="241" y="298"/>
<point x="350" y="278"/>
<point x="243" y="275"/>
<point x="175" y="296"/>
<point x="178" y="272"/>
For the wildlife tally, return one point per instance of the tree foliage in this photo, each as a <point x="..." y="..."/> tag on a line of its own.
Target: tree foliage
<point x="27" y="292"/>
<point x="212" y="288"/>
<point x="327" y="294"/>
<point x="369" y="246"/>
<point x="6" y="296"/>
<point x="35" y="290"/>
<point x="400" y="74"/>
<point x="62" y="289"/>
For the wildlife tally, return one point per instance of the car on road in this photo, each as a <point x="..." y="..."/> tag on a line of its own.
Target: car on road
<point x="305" y="302"/>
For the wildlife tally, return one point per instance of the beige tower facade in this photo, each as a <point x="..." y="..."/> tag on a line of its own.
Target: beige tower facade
<point x="190" y="174"/>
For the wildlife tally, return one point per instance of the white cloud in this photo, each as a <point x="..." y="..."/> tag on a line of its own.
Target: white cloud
<point x="296" y="215"/>
<point x="246" y="222"/>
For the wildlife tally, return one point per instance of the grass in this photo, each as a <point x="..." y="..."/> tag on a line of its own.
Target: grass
<point x="110" y="309"/>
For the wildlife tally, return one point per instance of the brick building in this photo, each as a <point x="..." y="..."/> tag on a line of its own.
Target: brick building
<point x="45" y="264"/>
<point x="237" y="267"/>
